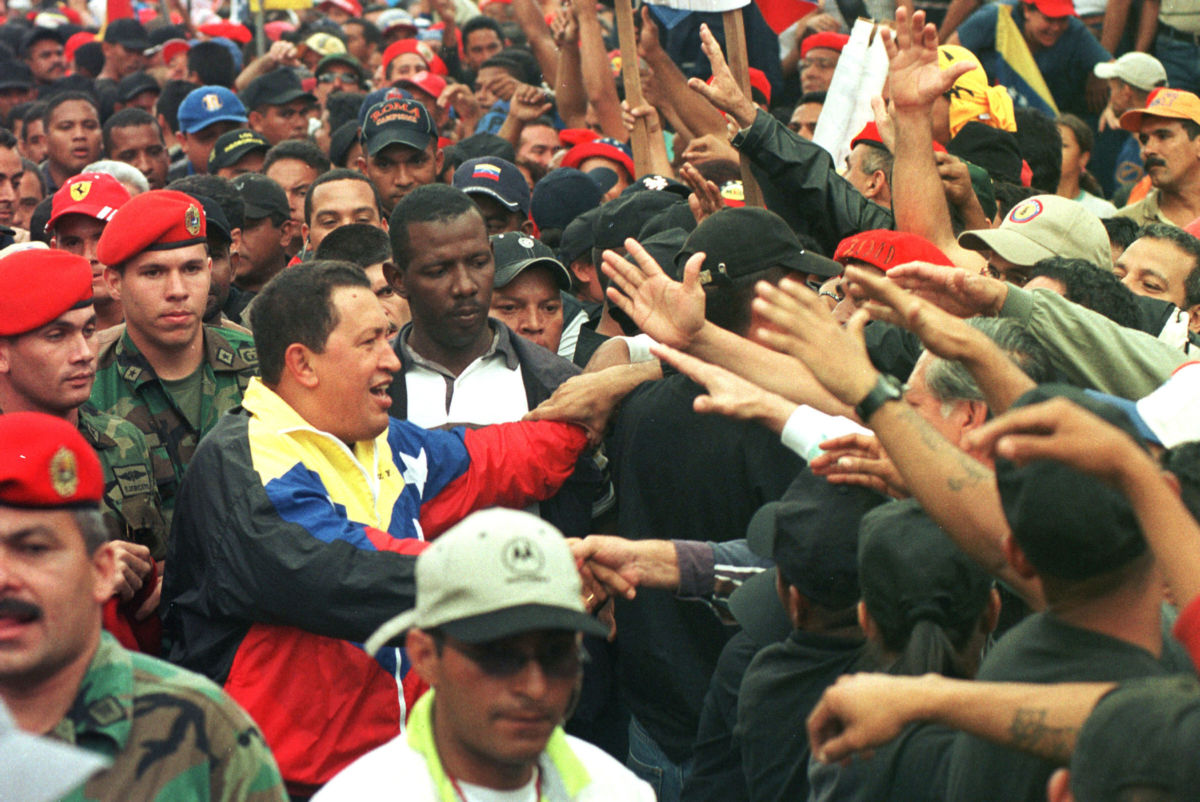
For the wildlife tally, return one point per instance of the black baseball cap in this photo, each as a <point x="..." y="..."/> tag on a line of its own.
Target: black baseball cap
<point x="128" y="33"/>
<point x="741" y="243"/>
<point x="1069" y="525"/>
<point x="276" y="88"/>
<point x="134" y="84"/>
<point x="15" y="75"/>
<point x="658" y="183"/>
<point x="515" y="251"/>
<point x="624" y="217"/>
<point x="231" y="146"/>
<point x="397" y="122"/>
<point x="579" y="237"/>
<point x="262" y="196"/>
<point x="341" y="58"/>
<point x="37" y="34"/>
<point x="341" y="140"/>
<point x="563" y="195"/>
<point x="496" y="178"/>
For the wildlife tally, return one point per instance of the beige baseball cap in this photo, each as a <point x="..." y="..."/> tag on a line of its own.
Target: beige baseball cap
<point x="495" y="574"/>
<point x="1140" y="70"/>
<point x="1041" y="227"/>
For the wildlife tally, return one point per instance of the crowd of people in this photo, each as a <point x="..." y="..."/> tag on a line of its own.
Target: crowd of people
<point x="867" y="477"/>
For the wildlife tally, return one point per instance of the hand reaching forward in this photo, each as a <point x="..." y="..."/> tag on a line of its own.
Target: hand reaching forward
<point x="669" y="311"/>
<point x="914" y="76"/>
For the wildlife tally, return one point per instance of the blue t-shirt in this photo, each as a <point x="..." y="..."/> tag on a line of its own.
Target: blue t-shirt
<point x="1065" y="67"/>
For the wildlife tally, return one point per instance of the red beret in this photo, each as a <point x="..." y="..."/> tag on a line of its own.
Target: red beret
<point x="159" y="220"/>
<point x="97" y="195"/>
<point x="45" y="462"/>
<point x="36" y="286"/>
<point x="885" y="249"/>
<point x="869" y="135"/>
<point x="603" y="146"/>
<point x="826" y="39"/>
<point x="230" y="30"/>
<point x="422" y="49"/>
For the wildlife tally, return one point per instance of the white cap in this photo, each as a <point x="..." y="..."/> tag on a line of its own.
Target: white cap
<point x="495" y="574"/>
<point x="1140" y="70"/>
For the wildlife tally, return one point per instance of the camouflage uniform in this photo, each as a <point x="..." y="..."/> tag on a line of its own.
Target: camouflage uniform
<point x="131" y="505"/>
<point x="127" y="387"/>
<point x="171" y="734"/>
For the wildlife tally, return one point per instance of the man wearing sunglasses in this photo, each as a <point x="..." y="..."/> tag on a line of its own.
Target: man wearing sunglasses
<point x="496" y="633"/>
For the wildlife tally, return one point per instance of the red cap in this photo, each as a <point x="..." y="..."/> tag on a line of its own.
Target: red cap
<point x="229" y="30"/>
<point x="884" y="248"/>
<point x="97" y="195"/>
<point x="576" y="136"/>
<point x="422" y="49"/>
<point x="825" y="39"/>
<point x="758" y="80"/>
<point x="869" y="135"/>
<point x="277" y="28"/>
<point x="1055" y="8"/>
<point x="36" y="286"/>
<point x="45" y="462"/>
<point x="75" y="41"/>
<point x="173" y="47"/>
<point x="351" y="7"/>
<point x="159" y="220"/>
<point x="601" y="146"/>
<point x="425" y="81"/>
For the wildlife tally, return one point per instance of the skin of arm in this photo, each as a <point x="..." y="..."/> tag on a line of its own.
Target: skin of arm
<point x="958" y="11"/>
<point x="863" y="711"/>
<point x="697" y="116"/>
<point x="598" y="82"/>
<point x="660" y="163"/>
<point x="622" y="565"/>
<point x="537" y="33"/>
<point x="918" y="199"/>
<point x="1147" y="26"/>
<point x="572" y="103"/>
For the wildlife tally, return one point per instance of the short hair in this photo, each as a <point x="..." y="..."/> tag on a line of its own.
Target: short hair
<point x="18" y="112"/>
<point x="370" y="31"/>
<point x="1080" y="130"/>
<point x="65" y="97"/>
<point x="1186" y="243"/>
<point x="478" y="23"/>
<point x="89" y="59"/>
<point x="32" y="169"/>
<point x="212" y="63"/>
<point x="35" y="111"/>
<point x="7" y="139"/>
<point x="92" y="528"/>
<point x="124" y="172"/>
<point x="295" y="307"/>
<point x="169" y="100"/>
<point x="1092" y="287"/>
<point x="338" y="174"/>
<point x="1009" y="195"/>
<point x="300" y="150"/>
<point x="1122" y="231"/>
<point x="811" y="97"/>
<point x="949" y="381"/>
<point x="1040" y="143"/>
<point x="876" y="159"/>
<point x="132" y="117"/>
<point x="509" y="65"/>
<point x="426" y="204"/>
<point x="218" y="189"/>
<point x="360" y="243"/>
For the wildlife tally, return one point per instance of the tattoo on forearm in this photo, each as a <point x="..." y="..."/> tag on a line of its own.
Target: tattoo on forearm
<point x="969" y="474"/>
<point x="1029" y="732"/>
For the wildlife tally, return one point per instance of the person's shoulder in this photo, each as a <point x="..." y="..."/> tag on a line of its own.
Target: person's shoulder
<point x="975" y="23"/>
<point x="239" y="345"/>
<point x="392" y="765"/>
<point x="610" y="779"/>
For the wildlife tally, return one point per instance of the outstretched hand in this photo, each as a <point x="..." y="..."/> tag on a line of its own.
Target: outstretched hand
<point x="914" y="76"/>
<point x="724" y="92"/>
<point x="859" y="459"/>
<point x="669" y="311"/>
<point x="727" y="393"/>
<point x="958" y="291"/>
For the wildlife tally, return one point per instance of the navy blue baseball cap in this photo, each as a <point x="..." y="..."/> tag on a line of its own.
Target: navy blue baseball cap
<point x="378" y="96"/>
<point x="207" y="105"/>
<point x="397" y="122"/>
<point x="497" y="178"/>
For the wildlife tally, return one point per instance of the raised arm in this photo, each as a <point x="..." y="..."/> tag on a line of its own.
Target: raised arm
<point x="541" y="41"/>
<point x="598" y="81"/>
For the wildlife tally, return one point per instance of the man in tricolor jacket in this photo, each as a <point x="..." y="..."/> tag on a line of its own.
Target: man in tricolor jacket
<point x="299" y="520"/>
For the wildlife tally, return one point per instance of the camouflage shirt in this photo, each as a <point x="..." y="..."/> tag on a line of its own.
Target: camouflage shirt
<point x="131" y="505"/>
<point x="171" y="734"/>
<point x="127" y="387"/>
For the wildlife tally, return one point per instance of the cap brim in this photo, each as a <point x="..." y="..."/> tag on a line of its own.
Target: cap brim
<point x="505" y="275"/>
<point x="1131" y="411"/>
<point x="478" y="189"/>
<point x="234" y="156"/>
<point x="756" y="607"/>
<point x="605" y="178"/>
<point x="1132" y="120"/>
<point x="1106" y="70"/>
<point x="524" y="618"/>
<point x="288" y="97"/>
<point x="1014" y="247"/>
<point x="220" y="118"/>
<point x="815" y="263"/>
<point x="413" y="139"/>
<point x="760" y="534"/>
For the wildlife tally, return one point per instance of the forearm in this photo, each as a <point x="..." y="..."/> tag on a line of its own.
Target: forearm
<point x="537" y="33"/>
<point x="510" y="131"/>
<point x="598" y="84"/>
<point x="957" y="491"/>
<point x="1171" y="531"/>
<point x="958" y="11"/>
<point x="572" y="103"/>
<point x="260" y="66"/>
<point x="697" y="114"/>
<point x="1147" y="27"/>
<point x="1116" y="13"/>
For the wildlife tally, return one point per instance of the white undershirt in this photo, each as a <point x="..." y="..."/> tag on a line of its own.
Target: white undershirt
<point x="477" y="793"/>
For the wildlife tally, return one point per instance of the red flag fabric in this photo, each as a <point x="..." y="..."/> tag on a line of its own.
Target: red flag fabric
<point x="118" y="9"/>
<point x="780" y="14"/>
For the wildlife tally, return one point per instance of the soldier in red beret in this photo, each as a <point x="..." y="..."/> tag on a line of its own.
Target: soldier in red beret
<point x="61" y="675"/>
<point x="168" y="373"/>
<point x="47" y="365"/>
<point x="79" y="213"/>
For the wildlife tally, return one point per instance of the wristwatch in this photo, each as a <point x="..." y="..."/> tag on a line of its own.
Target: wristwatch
<point x="887" y="388"/>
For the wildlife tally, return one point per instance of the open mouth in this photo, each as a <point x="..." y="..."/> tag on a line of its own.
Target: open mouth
<point x="380" y="393"/>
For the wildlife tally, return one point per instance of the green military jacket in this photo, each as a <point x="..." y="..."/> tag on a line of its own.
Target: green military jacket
<point x="127" y="387"/>
<point x="131" y="505"/>
<point x="170" y="734"/>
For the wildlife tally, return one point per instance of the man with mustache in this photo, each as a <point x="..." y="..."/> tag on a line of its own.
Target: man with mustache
<point x="496" y="634"/>
<point x="161" y="732"/>
<point x="1169" y="132"/>
<point x="47" y="364"/>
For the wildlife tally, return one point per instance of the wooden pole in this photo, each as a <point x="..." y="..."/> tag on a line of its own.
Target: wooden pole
<point x="739" y="65"/>
<point x="633" y="85"/>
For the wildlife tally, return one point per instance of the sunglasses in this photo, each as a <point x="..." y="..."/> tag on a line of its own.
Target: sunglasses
<point x="558" y="659"/>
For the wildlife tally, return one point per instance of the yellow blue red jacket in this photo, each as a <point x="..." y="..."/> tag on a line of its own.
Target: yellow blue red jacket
<point x="289" y="547"/>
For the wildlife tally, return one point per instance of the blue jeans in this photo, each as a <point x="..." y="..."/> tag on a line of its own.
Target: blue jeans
<point x="1181" y="61"/>
<point x="651" y="764"/>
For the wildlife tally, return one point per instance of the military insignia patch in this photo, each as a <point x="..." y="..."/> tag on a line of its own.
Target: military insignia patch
<point x="80" y="190"/>
<point x="64" y="476"/>
<point x="224" y="357"/>
<point x="191" y="220"/>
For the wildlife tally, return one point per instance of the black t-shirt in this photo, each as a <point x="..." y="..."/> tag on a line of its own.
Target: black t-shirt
<point x="682" y="476"/>
<point x="1042" y="648"/>
<point x="912" y="768"/>
<point x="781" y="687"/>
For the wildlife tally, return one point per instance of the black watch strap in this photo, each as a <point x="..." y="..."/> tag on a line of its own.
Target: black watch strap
<point x="887" y="388"/>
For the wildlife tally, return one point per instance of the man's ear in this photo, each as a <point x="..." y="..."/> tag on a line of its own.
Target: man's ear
<point x="256" y="120"/>
<point x="297" y="362"/>
<point x="112" y="280"/>
<point x="439" y="157"/>
<point x="423" y="653"/>
<point x="1194" y="314"/>
<point x="286" y="232"/>
<point x="395" y="276"/>
<point x="529" y="227"/>
<point x="104" y="573"/>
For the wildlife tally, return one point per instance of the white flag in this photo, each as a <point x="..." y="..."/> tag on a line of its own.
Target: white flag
<point x="860" y="75"/>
